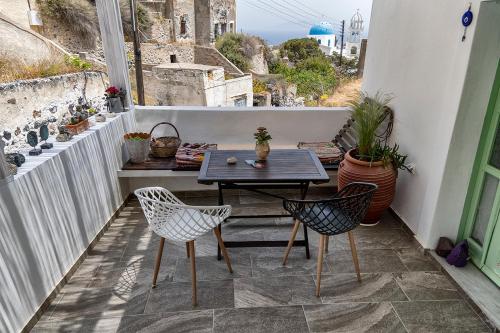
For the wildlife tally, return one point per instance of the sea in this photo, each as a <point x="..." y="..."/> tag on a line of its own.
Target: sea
<point x="276" y="37"/>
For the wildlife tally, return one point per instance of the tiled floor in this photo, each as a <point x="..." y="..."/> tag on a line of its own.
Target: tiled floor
<point x="402" y="290"/>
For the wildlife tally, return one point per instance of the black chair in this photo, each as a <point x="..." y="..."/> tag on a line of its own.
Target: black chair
<point x="330" y="217"/>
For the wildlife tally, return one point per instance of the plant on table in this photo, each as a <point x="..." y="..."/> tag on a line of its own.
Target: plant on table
<point x="262" y="138"/>
<point x="137" y="146"/>
<point x="114" y="97"/>
<point x="373" y="160"/>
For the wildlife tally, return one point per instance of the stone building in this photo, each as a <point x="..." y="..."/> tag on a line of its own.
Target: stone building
<point x="197" y="22"/>
<point x="194" y="84"/>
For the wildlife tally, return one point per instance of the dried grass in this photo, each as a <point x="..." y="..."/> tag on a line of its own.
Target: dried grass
<point x="15" y="69"/>
<point x="343" y="94"/>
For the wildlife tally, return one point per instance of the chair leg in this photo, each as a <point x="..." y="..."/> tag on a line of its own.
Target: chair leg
<point x="319" y="265"/>
<point x="327" y="240"/>
<point x="187" y="249"/>
<point x="223" y="249"/>
<point x="158" y="261"/>
<point x="295" y="229"/>
<point x="354" y="254"/>
<point x="193" y="273"/>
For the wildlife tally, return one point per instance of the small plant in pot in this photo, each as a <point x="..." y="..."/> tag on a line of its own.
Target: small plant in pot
<point x="138" y="146"/>
<point x="373" y="161"/>
<point x="262" y="148"/>
<point x="114" y="99"/>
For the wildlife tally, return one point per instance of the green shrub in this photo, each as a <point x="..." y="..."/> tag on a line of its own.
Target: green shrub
<point x="231" y="46"/>
<point x="300" y="49"/>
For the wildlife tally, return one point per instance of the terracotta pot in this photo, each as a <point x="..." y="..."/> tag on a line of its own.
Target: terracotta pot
<point x="354" y="170"/>
<point x="262" y="150"/>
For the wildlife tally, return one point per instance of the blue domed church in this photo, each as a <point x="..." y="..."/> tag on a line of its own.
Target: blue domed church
<point x="324" y="34"/>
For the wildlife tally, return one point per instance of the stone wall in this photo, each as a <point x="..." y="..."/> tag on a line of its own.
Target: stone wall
<point x="211" y="56"/>
<point x="160" y="53"/>
<point x="185" y="86"/>
<point x="26" y="104"/>
<point x="239" y="88"/>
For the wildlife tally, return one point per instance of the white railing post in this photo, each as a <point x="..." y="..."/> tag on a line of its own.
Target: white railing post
<point x="113" y="44"/>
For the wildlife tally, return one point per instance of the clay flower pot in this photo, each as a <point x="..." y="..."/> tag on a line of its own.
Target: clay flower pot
<point x="354" y="170"/>
<point x="262" y="150"/>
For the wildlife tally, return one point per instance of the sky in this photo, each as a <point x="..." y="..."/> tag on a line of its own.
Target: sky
<point x="279" y="20"/>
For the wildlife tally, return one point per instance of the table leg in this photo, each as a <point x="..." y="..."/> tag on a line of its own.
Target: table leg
<point x="221" y="202"/>
<point x="303" y="194"/>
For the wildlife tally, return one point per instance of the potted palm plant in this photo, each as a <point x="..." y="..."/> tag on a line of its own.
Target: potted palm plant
<point x="373" y="160"/>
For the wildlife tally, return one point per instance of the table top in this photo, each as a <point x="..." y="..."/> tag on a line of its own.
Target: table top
<point x="282" y="166"/>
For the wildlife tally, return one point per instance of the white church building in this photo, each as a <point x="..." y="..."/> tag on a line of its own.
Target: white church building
<point x="324" y="34"/>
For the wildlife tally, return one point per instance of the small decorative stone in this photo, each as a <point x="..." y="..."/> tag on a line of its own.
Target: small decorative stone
<point x="100" y="118"/>
<point x="63" y="137"/>
<point x="232" y="160"/>
<point x="11" y="101"/>
<point x="44" y="135"/>
<point x="37" y="113"/>
<point x="15" y="158"/>
<point x="32" y="139"/>
<point x="7" y="135"/>
<point x="17" y="131"/>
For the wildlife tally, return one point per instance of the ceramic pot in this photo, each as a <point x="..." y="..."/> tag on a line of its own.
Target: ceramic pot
<point x="354" y="170"/>
<point x="262" y="150"/>
<point x="115" y="105"/>
<point x="138" y="150"/>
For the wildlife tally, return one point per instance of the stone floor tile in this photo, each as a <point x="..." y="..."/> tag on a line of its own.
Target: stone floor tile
<point x="427" y="286"/>
<point x="270" y="263"/>
<point x="439" y="316"/>
<point x="370" y="261"/>
<point x="369" y="238"/>
<point x="374" y="287"/>
<point x="80" y="325"/>
<point x="97" y="303"/>
<point x="209" y="268"/>
<point x="176" y="296"/>
<point x="416" y="260"/>
<point x="274" y="291"/>
<point x="283" y="319"/>
<point x="177" y="322"/>
<point x="353" y="317"/>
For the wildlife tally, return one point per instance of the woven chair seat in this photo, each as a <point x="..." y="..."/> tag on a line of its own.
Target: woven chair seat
<point x="171" y="218"/>
<point x="325" y="220"/>
<point x="337" y="215"/>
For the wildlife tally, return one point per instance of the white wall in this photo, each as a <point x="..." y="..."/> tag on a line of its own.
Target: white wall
<point x="416" y="53"/>
<point x="50" y="213"/>
<point x="234" y="127"/>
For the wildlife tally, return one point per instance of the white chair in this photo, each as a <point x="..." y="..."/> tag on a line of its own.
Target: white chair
<point x="170" y="218"/>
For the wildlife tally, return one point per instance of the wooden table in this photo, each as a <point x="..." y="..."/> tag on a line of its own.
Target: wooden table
<point x="285" y="169"/>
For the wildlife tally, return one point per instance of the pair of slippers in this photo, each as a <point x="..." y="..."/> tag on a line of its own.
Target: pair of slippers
<point x="456" y="255"/>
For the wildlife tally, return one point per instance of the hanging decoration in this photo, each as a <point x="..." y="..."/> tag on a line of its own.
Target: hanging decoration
<point x="467" y="18"/>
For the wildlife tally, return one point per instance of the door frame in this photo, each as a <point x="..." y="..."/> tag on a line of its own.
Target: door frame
<point x="488" y="133"/>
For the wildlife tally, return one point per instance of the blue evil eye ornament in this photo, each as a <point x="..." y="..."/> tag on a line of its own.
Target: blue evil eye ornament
<point x="467" y="18"/>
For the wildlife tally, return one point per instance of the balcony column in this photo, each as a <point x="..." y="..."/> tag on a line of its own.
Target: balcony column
<point x="113" y="44"/>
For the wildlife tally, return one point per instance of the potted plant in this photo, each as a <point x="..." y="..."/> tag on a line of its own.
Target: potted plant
<point x="78" y="121"/>
<point x="373" y="160"/>
<point x="262" y="148"/>
<point x="138" y="146"/>
<point x="114" y="99"/>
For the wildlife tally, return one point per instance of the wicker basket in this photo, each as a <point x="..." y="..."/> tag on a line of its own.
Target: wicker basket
<point x="165" y="146"/>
